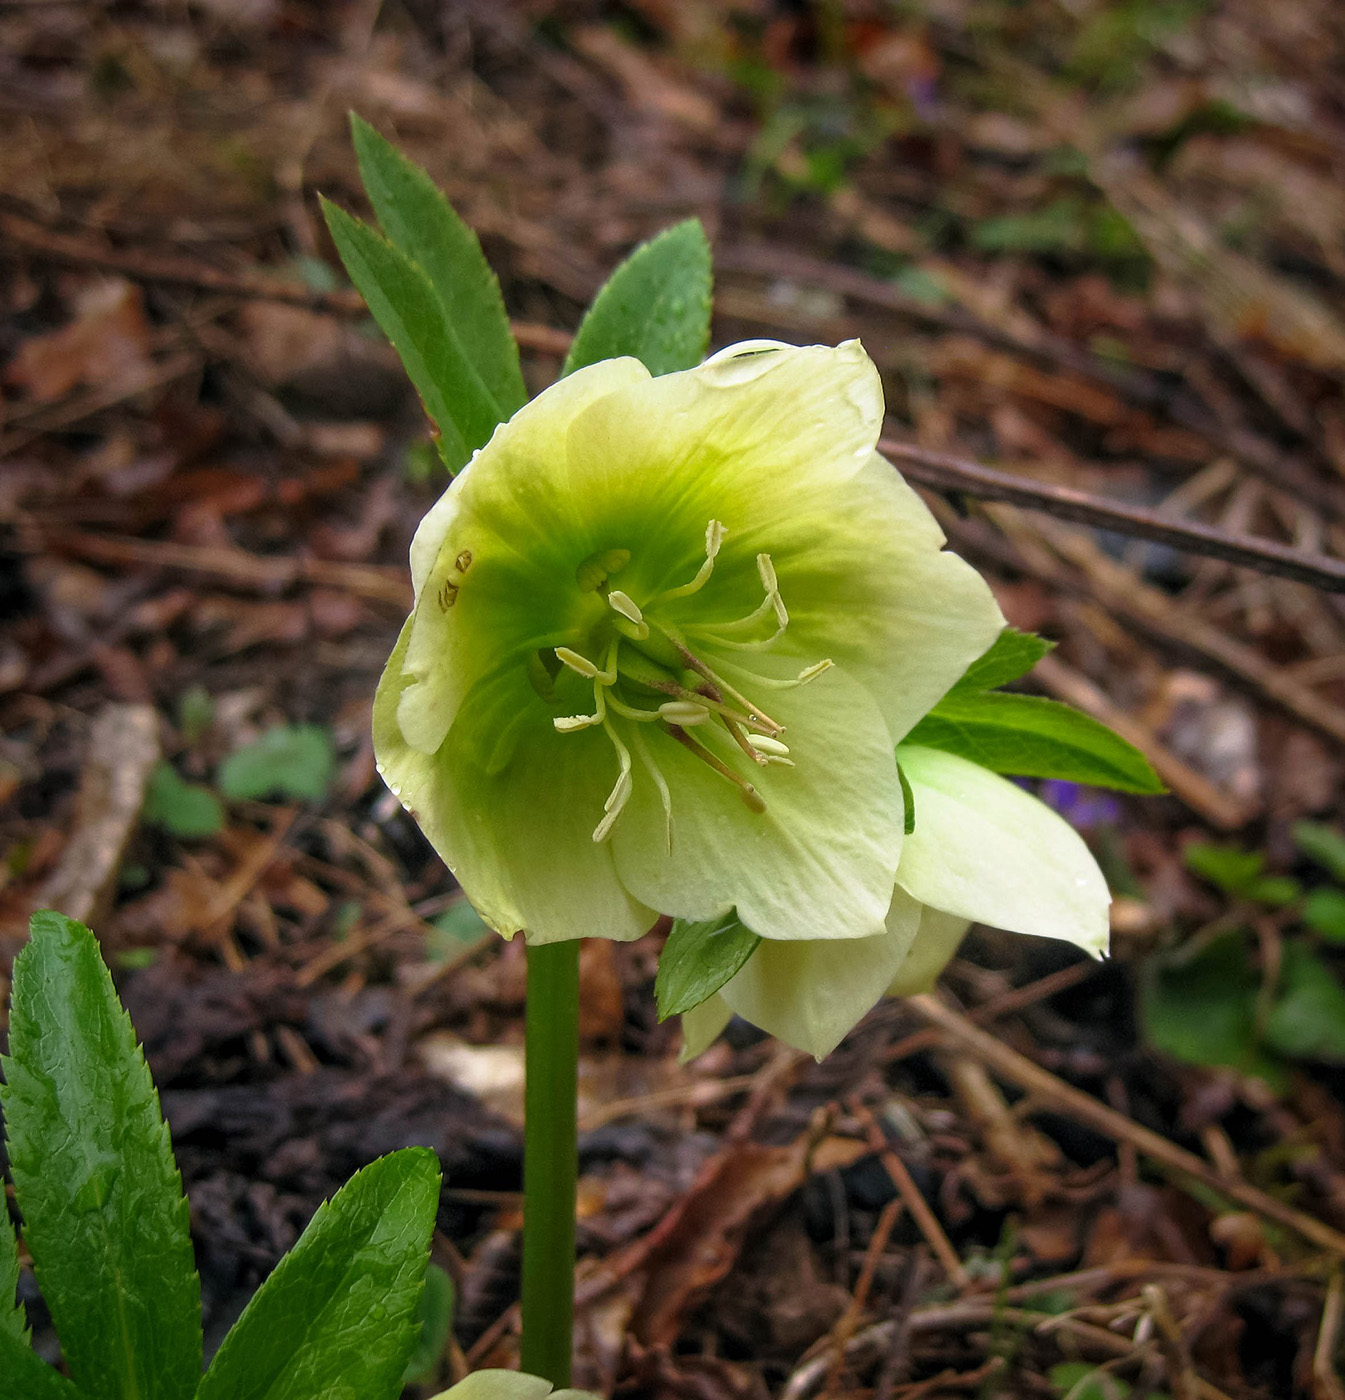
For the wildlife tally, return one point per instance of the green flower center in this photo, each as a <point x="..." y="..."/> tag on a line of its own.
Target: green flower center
<point x="649" y="675"/>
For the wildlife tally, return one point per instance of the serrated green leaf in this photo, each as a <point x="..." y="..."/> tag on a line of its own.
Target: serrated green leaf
<point x="655" y="306"/>
<point x="1012" y="654"/>
<point x="182" y="809"/>
<point x="403" y="301"/>
<point x="13" y="1319"/>
<point x="1307" y="1019"/>
<point x="1028" y="737"/>
<point x="338" y="1317"/>
<point x="1323" y="844"/>
<point x="104" y="1214"/>
<point x="698" y="959"/>
<point x="1202" y="1009"/>
<point x="436" y="1322"/>
<point x="418" y="219"/>
<point x="25" y="1376"/>
<point x="289" y="760"/>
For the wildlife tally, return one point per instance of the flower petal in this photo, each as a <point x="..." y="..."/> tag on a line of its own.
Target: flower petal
<point x="819" y="862"/>
<point x="493" y="561"/>
<point x="519" y="839"/>
<point x="701" y="1026"/>
<point x="500" y="1385"/>
<point x="867" y="583"/>
<point x="986" y="850"/>
<point x="812" y="994"/>
<point x="736" y="440"/>
<point x="935" y="944"/>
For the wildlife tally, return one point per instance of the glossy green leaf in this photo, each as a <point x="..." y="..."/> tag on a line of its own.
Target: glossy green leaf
<point x="1307" y="1019"/>
<point x="1323" y="844"/>
<point x="403" y="301"/>
<point x="1202" y="1009"/>
<point x="25" y="1376"/>
<point x="655" y="306"/>
<point x="339" y="1316"/>
<point x="104" y="1214"/>
<point x="1324" y="913"/>
<point x="1012" y="654"/>
<point x="1029" y="737"/>
<point x="697" y="960"/>
<point x="419" y="221"/>
<point x="436" y="1322"/>
<point x="182" y="809"/>
<point x="290" y="760"/>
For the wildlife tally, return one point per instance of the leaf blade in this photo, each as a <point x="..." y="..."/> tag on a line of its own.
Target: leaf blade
<point x="655" y="306"/>
<point x="25" y="1376"/>
<point x="339" y="1316"/>
<point x="419" y="220"/>
<point x="13" y="1319"/>
<point x="698" y="959"/>
<point x="94" y="1174"/>
<point x="403" y="301"/>
<point x="1010" y="656"/>
<point x="1029" y="737"/>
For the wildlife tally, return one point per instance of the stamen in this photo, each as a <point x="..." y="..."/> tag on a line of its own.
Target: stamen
<point x="625" y="605"/>
<point x="772" y="602"/>
<point x="585" y="667"/>
<point x="630" y="712"/>
<point x="660" y="782"/>
<point x="772" y="586"/>
<point x="567" y="724"/>
<point x="749" y="794"/>
<point x="621" y="790"/>
<point x="764" y="744"/>
<point x="809" y="673"/>
<point x="714" y="538"/>
<point x="683" y="712"/>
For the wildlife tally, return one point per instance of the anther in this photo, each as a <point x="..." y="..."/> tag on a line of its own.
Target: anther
<point x="625" y="605"/>
<point x="568" y="724"/>
<point x="584" y="666"/>
<point x="772" y="748"/>
<point x="683" y="712"/>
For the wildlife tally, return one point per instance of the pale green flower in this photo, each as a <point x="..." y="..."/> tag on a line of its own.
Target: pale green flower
<point x="983" y="851"/>
<point x="508" y="1385"/>
<point x="667" y="634"/>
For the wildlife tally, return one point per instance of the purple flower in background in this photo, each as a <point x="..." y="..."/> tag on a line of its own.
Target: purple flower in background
<point x="1083" y="807"/>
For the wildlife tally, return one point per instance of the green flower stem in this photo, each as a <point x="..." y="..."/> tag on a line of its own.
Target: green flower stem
<point x="550" y="1160"/>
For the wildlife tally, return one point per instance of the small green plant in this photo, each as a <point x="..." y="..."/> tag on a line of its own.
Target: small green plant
<point x="1208" y="1004"/>
<point x="288" y="760"/>
<point x="106" y="1224"/>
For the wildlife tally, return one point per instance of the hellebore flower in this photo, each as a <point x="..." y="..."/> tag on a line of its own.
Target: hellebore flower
<point x="983" y="851"/>
<point x="667" y="634"/>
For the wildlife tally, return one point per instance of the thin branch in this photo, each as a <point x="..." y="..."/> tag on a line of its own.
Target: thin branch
<point x="947" y="473"/>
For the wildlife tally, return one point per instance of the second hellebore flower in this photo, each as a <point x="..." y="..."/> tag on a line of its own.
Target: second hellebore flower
<point x="667" y="634"/>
